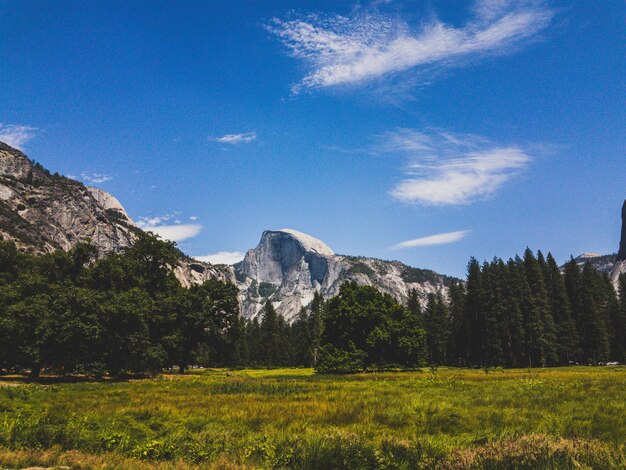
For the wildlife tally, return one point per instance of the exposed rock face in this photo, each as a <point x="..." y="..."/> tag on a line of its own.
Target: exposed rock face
<point x="602" y="263"/>
<point x="191" y="271"/>
<point x="621" y="254"/>
<point x="620" y="264"/>
<point x="43" y="212"/>
<point x="288" y="267"/>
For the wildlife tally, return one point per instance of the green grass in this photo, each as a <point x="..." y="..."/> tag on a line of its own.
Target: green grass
<point x="293" y="418"/>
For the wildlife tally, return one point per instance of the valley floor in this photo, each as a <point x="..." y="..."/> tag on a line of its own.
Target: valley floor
<point x="293" y="418"/>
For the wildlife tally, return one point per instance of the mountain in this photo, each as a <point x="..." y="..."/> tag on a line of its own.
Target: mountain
<point x="288" y="267"/>
<point x="602" y="263"/>
<point x="614" y="265"/>
<point x="44" y="212"/>
<point x="619" y="267"/>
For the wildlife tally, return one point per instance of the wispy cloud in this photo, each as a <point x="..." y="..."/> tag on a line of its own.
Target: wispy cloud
<point x="16" y="135"/>
<point x="95" y="178"/>
<point x="176" y="231"/>
<point x="451" y="169"/>
<point x="222" y="257"/>
<point x="342" y="50"/>
<point x="438" y="239"/>
<point x="235" y="139"/>
<point x="143" y="222"/>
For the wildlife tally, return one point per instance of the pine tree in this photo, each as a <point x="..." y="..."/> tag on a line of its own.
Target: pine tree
<point x="436" y="327"/>
<point x="619" y="323"/>
<point x="493" y="312"/>
<point x="561" y="311"/>
<point x="456" y="308"/>
<point x="541" y="335"/>
<point x="416" y="321"/>
<point x="517" y="293"/>
<point x="473" y="329"/>
<point x="594" y="336"/>
<point x="270" y="348"/>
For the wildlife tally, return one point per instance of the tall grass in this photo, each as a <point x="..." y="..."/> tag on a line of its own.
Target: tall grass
<point x="292" y="418"/>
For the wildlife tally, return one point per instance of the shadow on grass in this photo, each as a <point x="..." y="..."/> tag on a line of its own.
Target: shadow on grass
<point x="51" y="379"/>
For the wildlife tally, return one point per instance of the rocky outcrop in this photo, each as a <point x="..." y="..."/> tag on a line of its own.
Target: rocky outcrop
<point x="621" y="254"/>
<point x="288" y="267"/>
<point x="191" y="271"/>
<point x="602" y="263"/>
<point x="43" y="212"/>
<point x="620" y="263"/>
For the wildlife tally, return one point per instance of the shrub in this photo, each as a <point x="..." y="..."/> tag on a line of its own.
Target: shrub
<point x="339" y="361"/>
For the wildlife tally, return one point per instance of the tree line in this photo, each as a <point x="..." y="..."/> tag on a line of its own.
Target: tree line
<point x="525" y="312"/>
<point x="74" y="312"/>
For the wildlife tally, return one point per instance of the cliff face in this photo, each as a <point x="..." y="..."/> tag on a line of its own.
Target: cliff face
<point x="619" y="267"/>
<point x="621" y="254"/>
<point x="43" y="212"/>
<point x="288" y="267"/>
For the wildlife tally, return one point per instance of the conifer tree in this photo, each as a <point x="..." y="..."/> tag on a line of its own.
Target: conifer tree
<point x="567" y="344"/>
<point x="540" y="331"/>
<point x="473" y="328"/>
<point x="436" y="326"/>
<point x="516" y="291"/>
<point x="456" y="309"/>
<point x="594" y="336"/>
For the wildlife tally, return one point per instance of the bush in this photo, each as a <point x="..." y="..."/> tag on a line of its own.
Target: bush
<point x="339" y="361"/>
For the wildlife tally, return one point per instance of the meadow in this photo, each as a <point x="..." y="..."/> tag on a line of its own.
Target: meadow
<point x="293" y="418"/>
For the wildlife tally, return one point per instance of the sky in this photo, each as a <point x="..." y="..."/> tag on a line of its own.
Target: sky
<point x="423" y="131"/>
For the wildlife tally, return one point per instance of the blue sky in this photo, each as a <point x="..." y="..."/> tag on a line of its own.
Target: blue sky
<point x="422" y="131"/>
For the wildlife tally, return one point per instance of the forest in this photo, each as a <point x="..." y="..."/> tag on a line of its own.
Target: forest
<point x="77" y="312"/>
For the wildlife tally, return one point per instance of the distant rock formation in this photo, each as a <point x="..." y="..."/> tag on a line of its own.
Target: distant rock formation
<point x="288" y="267"/>
<point x="621" y="254"/>
<point x="602" y="263"/>
<point x="619" y="267"/>
<point x="43" y="212"/>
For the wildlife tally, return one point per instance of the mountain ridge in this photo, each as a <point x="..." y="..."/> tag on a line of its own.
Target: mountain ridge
<point x="288" y="273"/>
<point x="43" y="212"/>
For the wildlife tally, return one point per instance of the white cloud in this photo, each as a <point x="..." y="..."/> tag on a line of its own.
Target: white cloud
<point x="193" y="217"/>
<point x="144" y="222"/>
<point x="222" y="257"/>
<point x="235" y="139"/>
<point x="450" y="169"/>
<point x="16" y="135"/>
<point x="175" y="233"/>
<point x="438" y="239"/>
<point x="366" y="46"/>
<point x="96" y="178"/>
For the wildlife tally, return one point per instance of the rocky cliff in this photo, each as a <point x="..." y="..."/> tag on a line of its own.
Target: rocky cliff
<point x="44" y="212"/>
<point x="602" y="263"/>
<point x="619" y="267"/>
<point x="288" y="267"/>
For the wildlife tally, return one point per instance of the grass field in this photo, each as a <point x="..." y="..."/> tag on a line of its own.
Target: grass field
<point x="293" y="418"/>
